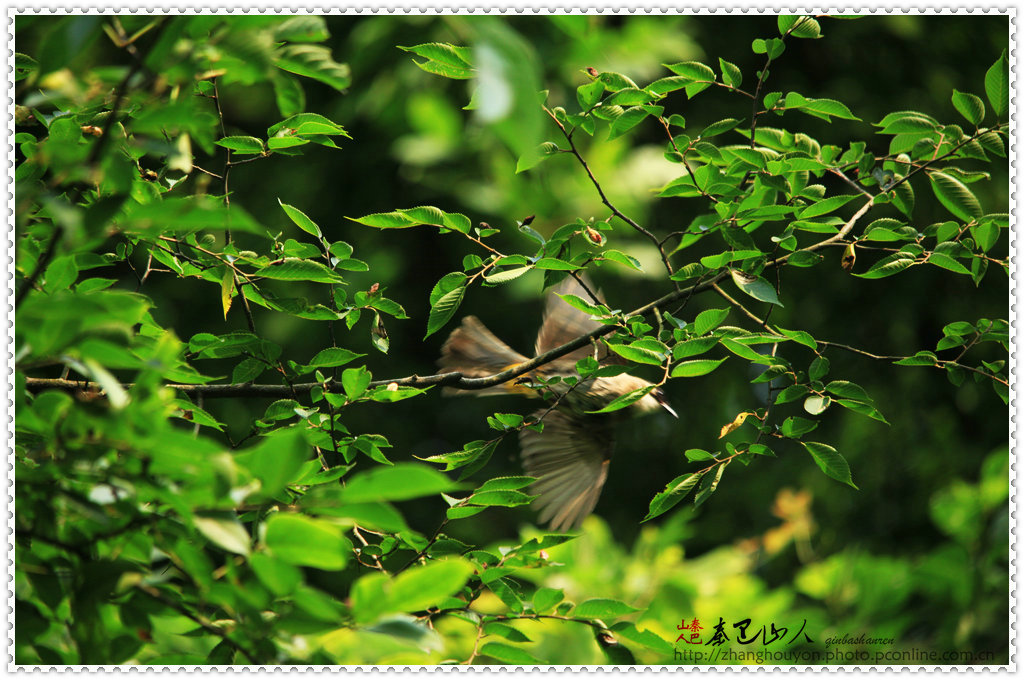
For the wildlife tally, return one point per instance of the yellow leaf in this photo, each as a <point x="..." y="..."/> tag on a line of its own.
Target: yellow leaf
<point x="849" y="258"/>
<point x="734" y="425"/>
<point x="227" y="291"/>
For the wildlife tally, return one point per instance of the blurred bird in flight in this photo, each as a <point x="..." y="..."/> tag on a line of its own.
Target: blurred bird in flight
<point x="570" y="456"/>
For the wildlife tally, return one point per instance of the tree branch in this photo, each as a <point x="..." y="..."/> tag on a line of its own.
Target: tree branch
<point x="202" y="621"/>
<point x="453" y="379"/>
<point x="604" y="199"/>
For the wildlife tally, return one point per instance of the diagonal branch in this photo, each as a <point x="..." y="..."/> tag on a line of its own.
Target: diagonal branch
<point x="456" y="379"/>
<point x="604" y="198"/>
<point x="453" y="379"/>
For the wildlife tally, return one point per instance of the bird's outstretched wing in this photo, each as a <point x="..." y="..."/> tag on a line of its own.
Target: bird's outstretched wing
<point x="570" y="461"/>
<point x="563" y="323"/>
<point x="475" y="352"/>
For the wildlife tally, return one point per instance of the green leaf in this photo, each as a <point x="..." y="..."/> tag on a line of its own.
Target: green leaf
<point x="444" y="309"/>
<point x="582" y="305"/>
<point x="60" y="274"/>
<point x="391" y="220"/>
<point x="816" y="404"/>
<point x="663" y="86"/>
<point x="589" y="94"/>
<point x="806" y="27"/>
<point x="630" y="96"/>
<point x="903" y="198"/>
<point x="674" y="492"/>
<point x="802" y="337"/>
<point x="625" y="400"/>
<point x="304" y="123"/>
<point x="818" y="368"/>
<point x="554" y="263"/>
<point x="506" y="275"/>
<point x="241" y="144"/>
<point x="907" y="122"/>
<point x="23" y="66"/>
<point x="506" y="631"/>
<point x="830" y="461"/>
<point x="630" y="632"/>
<point x="697" y="455"/>
<point x="502" y="483"/>
<point x="226" y="532"/>
<point x="709" y="320"/>
<point x="639" y="354"/>
<point x="692" y="69"/>
<point x="985" y="235"/>
<point x="804" y="258"/>
<point x="718" y="128"/>
<point x="622" y="258"/>
<point x="696" y="367"/>
<point x="847" y="389"/>
<point x="826" y="206"/>
<point x="185" y="215"/>
<point x="970" y="107"/>
<point x="533" y="157"/>
<point x="297" y="269"/>
<point x="449" y="61"/>
<point x="276" y="461"/>
<point x="821" y="108"/>
<point x="888" y="266"/>
<point x="395" y="483"/>
<point x="626" y="121"/>
<point x="277" y="575"/>
<point x="413" y="217"/>
<point x="731" y="74"/>
<point x="545" y="599"/>
<point x="688" y="271"/>
<point x="355" y="381"/>
<point x="601" y="608"/>
<point x="508" y="498"/>
<point x="316" y="62"/>
<point x="997" y="85"/>
<point x="447" y="283"/>
<point x="303" y="28"/>
<point x="708" y="485"/>
<point x="756" y="287"/>
<point x="991" y="141"/>
<point x="795" y="427"/>
<point x="509" y="654"/>
<point x="947" y="262"/>
<point x="424" y="586"/>
<point x="863" y="409"/>
<point x="922" y="358"/>
<point x="791" y="393"/>
<point x="955" y="196"/>
<point x="693" y="347"/>
<point x="307" y="542"/>
<point x="300" y="219"/>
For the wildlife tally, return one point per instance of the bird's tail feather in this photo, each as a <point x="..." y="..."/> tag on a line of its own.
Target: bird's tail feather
<point x="475" y="352"/>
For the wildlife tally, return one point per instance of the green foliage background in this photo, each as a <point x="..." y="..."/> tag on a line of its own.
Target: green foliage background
<point x="919" y="553"/>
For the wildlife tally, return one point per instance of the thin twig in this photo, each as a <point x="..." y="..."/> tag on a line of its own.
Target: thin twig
<point x="604" y="198"/>
<point x="122" y="90"/>
<point x="452" y="379"/>
<point x="41" y="264"/>
<point x="736" y="303"/>
<point x="430" y="543"/>
<point x="203" y="622"/>
<point x="476" y="645"/>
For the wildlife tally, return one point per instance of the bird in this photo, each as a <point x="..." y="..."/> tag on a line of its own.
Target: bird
<point x="569" y="457"/>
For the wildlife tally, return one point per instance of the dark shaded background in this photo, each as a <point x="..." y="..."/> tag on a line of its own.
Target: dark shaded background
<point x="414" y="145"/>
<point x="874" y="65"/>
